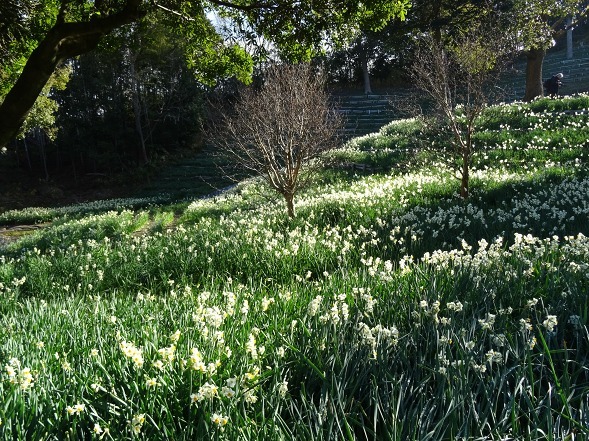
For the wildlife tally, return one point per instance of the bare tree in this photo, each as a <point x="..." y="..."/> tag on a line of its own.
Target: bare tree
<point x="461" y="78"/>
<point x="279" y="130"/>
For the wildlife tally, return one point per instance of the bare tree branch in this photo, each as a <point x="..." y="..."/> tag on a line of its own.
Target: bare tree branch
<point x="277" y="131"/>
<point x="459" y="78"/>
<point x="171" y="11"/>
<point x="247" y="7"/>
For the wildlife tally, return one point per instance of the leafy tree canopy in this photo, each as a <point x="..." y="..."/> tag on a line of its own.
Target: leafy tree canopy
<point x="37" y="35"/>
<point x="538" y="22"/>
<point x="298" y="28"/>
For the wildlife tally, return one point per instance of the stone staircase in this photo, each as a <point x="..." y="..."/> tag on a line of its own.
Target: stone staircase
<point x="365" y="114"/>
<point x="194" y="175"/>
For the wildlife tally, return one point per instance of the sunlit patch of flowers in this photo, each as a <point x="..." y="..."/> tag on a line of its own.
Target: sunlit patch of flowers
<point x="132" y="352"/>
<point x="100" y="431"/>
<point x="488" y="322"/>
<point x="151" y="383"/>
<point x="206" y="391"/>
<point x="250" y="346"/>
<point x="39" y="214"/>
<point x="196" y="361"/>
<point x="377" y="336"/>
<point x="76" y="409"/>
<point x="137" y="423"/>
<point x="21" y="377"/>
<point x="219" y="420"/>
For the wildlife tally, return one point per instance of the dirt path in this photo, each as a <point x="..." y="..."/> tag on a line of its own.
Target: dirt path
<point x="11" y="234"/>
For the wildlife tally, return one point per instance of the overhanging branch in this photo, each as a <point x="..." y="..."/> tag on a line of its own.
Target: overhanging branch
<point x="576" y="20"/>
<point x="171" y="11"/>
<point x="247" y="7"/>
<point x="63" y="41"/>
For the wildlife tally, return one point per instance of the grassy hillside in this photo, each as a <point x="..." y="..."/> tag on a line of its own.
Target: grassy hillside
<point x="388" y="309"/>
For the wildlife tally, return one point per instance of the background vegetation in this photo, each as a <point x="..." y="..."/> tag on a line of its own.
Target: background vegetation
<point x="112" y="116"/>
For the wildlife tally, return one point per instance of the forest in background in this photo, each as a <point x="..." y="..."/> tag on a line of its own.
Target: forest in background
<point x="115" y="115"/>
<point x="109" y="119"/>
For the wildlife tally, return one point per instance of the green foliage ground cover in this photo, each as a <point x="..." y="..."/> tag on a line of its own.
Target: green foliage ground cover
<point x="388" y="309"/>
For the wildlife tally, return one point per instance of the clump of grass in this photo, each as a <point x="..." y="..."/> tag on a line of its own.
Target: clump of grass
<point x="42" y="214"/>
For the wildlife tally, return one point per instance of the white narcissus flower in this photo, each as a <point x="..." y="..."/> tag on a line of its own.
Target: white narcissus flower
<point x="219" y="420"/>
<point x="550" y="322"/>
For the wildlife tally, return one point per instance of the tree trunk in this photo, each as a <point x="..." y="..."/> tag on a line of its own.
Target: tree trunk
<point x="534" y="88"/>
<point x="569" y="38"/>
<point x="27" y="153"/>
<point x="365" y="73"/>
<point x="464" y="182"/>
<point x="289" y="198"/>
<point x="41" y="140"/>
<point x="63" y="41"/>
<point x="136" y="91"/>
<point x="138" y="126"/>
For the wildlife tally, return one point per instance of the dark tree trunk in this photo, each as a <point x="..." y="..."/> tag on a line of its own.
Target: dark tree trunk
<point x="42" y="146"/>
<point x="138" y="126"/>
<point x="569" y="38"/>
<point x="63" y="41"/>
<point x="27" y="153"/>
<point x="534" y="88"/>
<point x="365" y="72"/>
<point x="136" y="98"/>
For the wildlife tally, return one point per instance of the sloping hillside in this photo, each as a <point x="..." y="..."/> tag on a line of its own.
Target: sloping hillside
<point x="388" y="309"/>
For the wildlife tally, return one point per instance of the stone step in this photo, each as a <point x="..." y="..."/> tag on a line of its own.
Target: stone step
<point x="351" y="113"/>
